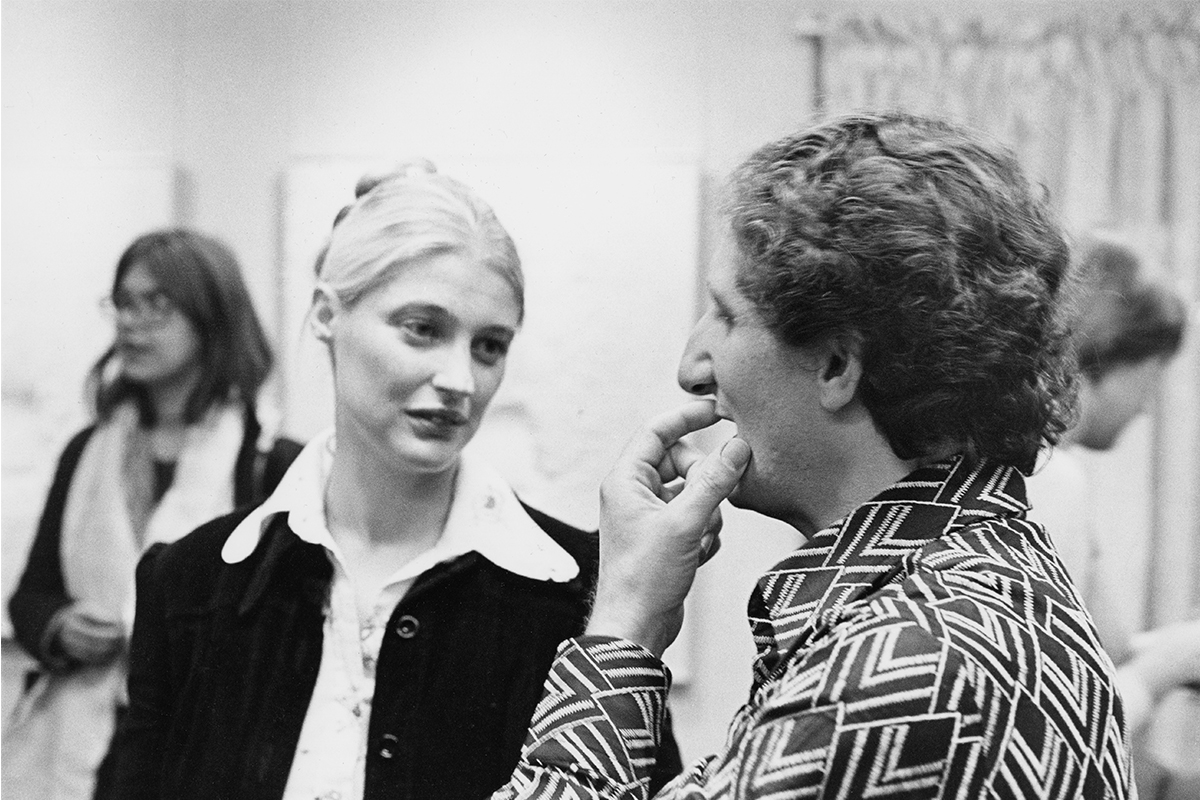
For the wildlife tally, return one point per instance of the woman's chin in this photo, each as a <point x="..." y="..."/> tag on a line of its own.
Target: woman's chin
<point x="428" y="456"/>
<point x="137" y="373"/>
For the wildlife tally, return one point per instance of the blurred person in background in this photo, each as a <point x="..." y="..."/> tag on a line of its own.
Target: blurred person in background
<point x="176" y="442"/>
<point x="382" y="625"/>
<point x="1127" y="330"/>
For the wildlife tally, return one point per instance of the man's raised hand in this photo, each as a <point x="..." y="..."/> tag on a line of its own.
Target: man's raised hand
<point x="654" y="534"/>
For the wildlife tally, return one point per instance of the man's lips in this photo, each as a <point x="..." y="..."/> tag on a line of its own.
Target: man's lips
<point x="438" y="416"/>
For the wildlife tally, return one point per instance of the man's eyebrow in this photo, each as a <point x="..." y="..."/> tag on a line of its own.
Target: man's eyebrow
<point x="716" y="298"/>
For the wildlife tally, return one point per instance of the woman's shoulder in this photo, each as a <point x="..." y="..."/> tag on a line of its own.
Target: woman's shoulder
<point x="283" y="451"/>
<point x="68" y="460"/>
<point x="196" y="556"/>
<point x="80" y="438"/>
<point x="583" y="546"/>
<point x="73" y="450"/>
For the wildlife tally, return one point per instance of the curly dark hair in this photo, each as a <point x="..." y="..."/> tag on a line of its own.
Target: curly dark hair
<point x="1123" y="318"/>
<point x="927" y="246"/>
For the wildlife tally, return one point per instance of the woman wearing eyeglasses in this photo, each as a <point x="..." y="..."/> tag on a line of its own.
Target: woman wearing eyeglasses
<point x="175" y="443"/>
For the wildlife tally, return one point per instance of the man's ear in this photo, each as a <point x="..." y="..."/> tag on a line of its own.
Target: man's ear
<point x="841" y="370"/>
<point x="324" y="312"/>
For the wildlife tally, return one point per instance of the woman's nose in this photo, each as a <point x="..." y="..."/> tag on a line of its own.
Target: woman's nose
<point x="695" y="374"/>
<point x="454" y="374"/>
<point x="127" y="321"/>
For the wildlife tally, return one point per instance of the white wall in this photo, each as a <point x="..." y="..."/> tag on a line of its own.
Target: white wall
<point x="232" y="94"/>
<point x="217" y="101"/>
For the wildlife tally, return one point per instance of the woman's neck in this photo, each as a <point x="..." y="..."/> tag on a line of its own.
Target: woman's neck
<point x="170" y="400"/>
<point x="169" y="430"/>
<point x="367" y="498"/>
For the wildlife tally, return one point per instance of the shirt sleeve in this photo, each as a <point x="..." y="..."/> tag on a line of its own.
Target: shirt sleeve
<point x="840" y="727"/>
<point x="595" y="733"/>
<point x="37" y="607"/>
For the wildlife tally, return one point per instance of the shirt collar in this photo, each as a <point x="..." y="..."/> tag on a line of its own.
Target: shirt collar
<point x="485" y="517"/>
<point x="856" y="556"/>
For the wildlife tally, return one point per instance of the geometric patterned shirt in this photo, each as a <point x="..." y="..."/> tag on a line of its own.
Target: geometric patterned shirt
<point x="928" y="645"/>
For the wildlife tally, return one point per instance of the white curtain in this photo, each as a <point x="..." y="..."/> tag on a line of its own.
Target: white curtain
<point x="1101" y="103"/>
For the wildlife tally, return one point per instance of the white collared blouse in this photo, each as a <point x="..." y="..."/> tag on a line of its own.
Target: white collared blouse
<point x="485" y="517"/>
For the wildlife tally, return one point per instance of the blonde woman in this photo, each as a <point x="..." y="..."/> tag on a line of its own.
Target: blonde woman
<point x="382" y="624"/>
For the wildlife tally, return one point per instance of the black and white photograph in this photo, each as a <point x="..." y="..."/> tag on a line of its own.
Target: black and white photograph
<point x="600" y="399"/>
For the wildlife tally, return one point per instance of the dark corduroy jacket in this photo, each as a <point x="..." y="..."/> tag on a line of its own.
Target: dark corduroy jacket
<point x="224" y="658"/>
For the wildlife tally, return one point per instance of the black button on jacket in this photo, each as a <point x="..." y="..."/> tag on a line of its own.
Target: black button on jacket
<point x="224" y="658"/>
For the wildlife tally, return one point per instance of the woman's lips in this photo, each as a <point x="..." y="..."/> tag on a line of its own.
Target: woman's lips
<point x="436" y="422"/>
<point x="132" y="349"/>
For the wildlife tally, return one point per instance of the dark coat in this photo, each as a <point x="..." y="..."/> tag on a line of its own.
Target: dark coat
<point x="224" y="658"/>
<point x="42" y="592"/>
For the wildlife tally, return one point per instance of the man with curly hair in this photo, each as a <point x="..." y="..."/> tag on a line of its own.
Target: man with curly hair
<point x="885" y="331"/>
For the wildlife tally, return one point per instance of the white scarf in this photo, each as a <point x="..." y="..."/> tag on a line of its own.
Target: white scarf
<point x="61" y="730"/>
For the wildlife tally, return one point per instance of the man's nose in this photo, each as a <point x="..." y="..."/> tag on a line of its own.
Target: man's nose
<point x="695" y="374"/>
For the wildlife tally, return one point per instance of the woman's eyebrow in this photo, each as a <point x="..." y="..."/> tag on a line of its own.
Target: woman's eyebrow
<point x="441" y="313"/>
<point x="502" y="330"/>
<point x="427" y="308"/>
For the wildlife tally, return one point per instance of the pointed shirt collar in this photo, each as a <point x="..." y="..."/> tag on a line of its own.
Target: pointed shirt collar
<point x="872" y="546"/>
<point x="485" y="517"/>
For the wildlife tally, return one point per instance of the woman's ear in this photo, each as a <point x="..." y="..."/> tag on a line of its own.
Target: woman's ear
<point x="841" y="370"/>
<point x="324" y="312"/>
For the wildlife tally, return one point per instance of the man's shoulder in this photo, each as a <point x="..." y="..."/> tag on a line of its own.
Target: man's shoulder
<point x="972" y="595"/>
<point x="992" y="557"/>
<point x="995" y="594"/>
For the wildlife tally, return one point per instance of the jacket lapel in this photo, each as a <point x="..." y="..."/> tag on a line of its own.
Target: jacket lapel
<point x="269" y="651"/>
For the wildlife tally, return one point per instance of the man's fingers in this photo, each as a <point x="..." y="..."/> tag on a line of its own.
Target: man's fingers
<point x="87" y="647"/>
<point x="95" y="612"/>
<point x="679" y="460"/>
<point x="108" y="633"/>
<point x="710" y="542"/>
<point x="714" y="478"/>
<point x="650" y="445"/>
<point x="98" y="625"/>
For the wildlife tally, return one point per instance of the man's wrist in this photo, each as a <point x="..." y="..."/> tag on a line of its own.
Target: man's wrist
<point x="625" y="621"/>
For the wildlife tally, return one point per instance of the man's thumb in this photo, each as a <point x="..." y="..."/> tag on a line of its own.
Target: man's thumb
<point x="712" y="479"/>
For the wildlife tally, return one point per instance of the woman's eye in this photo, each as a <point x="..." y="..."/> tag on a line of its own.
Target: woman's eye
<point x="420" y="329"/>
<point x="160" y="303"/>
<point x="490" y="350"/>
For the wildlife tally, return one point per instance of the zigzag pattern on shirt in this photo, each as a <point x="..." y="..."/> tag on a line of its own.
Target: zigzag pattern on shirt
<point x="931" y="645"/>
<point x="588" y="720"/>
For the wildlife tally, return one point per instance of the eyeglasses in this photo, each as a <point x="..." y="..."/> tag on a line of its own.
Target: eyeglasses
<point x="151" y="309"/>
